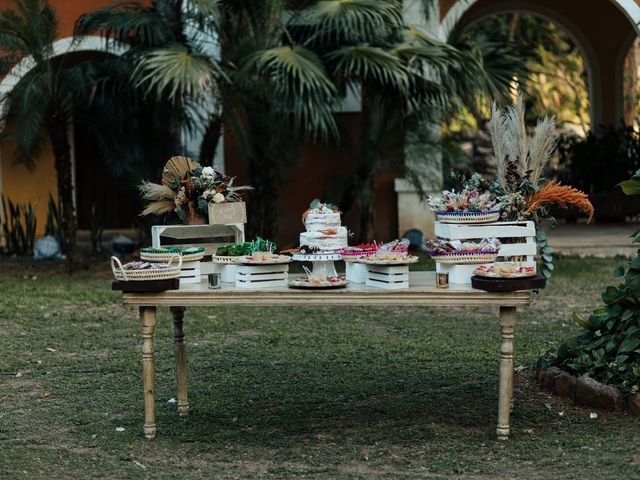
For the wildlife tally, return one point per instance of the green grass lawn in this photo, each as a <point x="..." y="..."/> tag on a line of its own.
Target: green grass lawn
<point x="292" y="392"/>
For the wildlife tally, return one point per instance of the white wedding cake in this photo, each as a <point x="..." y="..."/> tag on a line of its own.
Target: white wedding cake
<point x="324" y="230"/>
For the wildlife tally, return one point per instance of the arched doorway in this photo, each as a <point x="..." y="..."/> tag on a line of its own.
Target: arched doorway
<point x="600" y="47"/>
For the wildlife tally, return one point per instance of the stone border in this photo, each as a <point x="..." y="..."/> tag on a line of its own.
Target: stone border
<point x="586" y="391"/>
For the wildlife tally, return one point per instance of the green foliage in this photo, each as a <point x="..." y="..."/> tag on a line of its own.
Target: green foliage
<point x="609" y="348"/>
<point x="18" y="224"/>
<point x="54" y="221"/>
<point x="601" y="160"/>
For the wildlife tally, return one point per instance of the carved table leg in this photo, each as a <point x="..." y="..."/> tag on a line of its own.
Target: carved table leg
<point x="178" y="334"/>
<point x="148" y="319"/>
<point x="507" y="324"/>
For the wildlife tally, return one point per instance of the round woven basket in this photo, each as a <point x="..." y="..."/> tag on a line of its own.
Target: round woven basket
<point x="468" y="217"/>
<point x="164" y="257"/>
<point x="462" y="258"/>
<point x="173" y="271"/>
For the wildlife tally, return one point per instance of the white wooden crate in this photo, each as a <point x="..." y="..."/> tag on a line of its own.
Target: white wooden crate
<point x="509" y="232"/>
<point x="391" y="277"/>
<point x="190" y="272"/>
<point x="210" y="237"/>
<point x="504" y="231"/>
<point x="262" y="276"/>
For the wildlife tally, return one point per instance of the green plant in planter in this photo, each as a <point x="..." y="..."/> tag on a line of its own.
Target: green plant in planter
<point x="609" y="348"/>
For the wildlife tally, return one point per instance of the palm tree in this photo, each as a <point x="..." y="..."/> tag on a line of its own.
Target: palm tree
<point x="398" y="69"/>
<point x="43" y="101"/>
<point x="271" y="91"/>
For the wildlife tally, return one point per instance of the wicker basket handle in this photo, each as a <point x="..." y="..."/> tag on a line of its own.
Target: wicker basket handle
<point x="115" y="260"/>
<point x="173" y="257"/>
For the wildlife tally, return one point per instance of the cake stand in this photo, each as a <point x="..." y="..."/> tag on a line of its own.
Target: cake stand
<point x="323" y="263"/>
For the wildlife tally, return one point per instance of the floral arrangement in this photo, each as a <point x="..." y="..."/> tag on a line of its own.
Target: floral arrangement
<point x="520" y="189"/>
<point x="187" y="189"/>
<point x="468" y="200"/>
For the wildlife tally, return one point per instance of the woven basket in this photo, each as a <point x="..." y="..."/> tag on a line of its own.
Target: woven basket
<point x="461" y="258"/>
<point x="468" y="217"/>
<point x="164" y="257"/>
<point x="173" y="271"/>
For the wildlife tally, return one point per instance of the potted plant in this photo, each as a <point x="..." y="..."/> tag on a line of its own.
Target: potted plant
<point x="198" y="195"/>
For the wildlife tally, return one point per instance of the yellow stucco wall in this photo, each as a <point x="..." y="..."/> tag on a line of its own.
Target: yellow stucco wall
<point x="21" y="185"/>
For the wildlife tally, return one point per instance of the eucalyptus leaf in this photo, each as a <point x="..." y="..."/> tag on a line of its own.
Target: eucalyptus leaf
<point x="619" y="272"/>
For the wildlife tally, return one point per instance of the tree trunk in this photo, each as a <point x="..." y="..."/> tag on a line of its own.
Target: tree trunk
<point x="367" y="169"/>
<point x="262" y="216"/>
<point x="58" y="132"/>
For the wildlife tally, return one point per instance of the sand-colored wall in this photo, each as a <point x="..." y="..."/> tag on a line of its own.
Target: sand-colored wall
<point x="24" y="186"/>
<point x="18" y="183"/>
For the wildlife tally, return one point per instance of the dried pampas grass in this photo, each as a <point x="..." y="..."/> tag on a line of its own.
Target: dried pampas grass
<point x="160" y="197"/>
<point x="510" y="141"/>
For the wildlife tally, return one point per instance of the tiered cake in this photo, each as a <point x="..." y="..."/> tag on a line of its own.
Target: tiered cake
<point x="324" y="229"/>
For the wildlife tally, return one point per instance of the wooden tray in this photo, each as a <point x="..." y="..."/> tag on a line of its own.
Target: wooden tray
<point x="508" y="284"/>
<point x="146" y="286"/>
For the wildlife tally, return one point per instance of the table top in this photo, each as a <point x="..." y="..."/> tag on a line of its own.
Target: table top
<point x="422" y="291"/>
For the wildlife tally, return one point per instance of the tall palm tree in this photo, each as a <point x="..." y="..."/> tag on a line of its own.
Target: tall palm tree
<point x="398" y="69"/>
<point x="43" y="101"/>
<point x="271" y="91"/>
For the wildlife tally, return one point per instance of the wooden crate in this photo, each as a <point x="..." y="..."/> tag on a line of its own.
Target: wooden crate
<point x="262" y="276"/>
<point x="210" y="237"/>
<point x="190" y="273"/>
<point x="233" y="213"/>
<point x="391" y="277"/>
<point x="507" y="232"/>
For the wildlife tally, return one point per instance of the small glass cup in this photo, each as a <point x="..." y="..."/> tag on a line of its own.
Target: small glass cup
<point x="442" y="279"/>
<point x="214" y="281"/>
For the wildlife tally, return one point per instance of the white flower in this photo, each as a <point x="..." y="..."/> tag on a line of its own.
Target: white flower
<point x="207" y="172"/>
<point x="593" y="415"/>
<point x="218" y="198"/>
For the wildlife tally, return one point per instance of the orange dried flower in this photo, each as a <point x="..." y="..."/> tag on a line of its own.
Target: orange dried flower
<point x="561" y="195"/>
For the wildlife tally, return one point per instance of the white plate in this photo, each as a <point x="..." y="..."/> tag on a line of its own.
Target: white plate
<point x="299" y="283"/>
<point x="374" y="260"/>
<point x="274" y="260"/>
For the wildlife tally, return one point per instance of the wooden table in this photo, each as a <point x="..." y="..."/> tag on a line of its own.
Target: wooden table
<point x="422" y="292"/>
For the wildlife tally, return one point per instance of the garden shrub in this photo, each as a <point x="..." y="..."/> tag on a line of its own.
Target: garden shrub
<point x="609" y="348"/>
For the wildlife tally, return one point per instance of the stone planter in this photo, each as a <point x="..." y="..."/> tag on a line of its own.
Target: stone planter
<point x="227" y="213"/>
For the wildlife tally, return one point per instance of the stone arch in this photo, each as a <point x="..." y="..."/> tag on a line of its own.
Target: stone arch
<point x="462" y="11"/>
<point x="89" y="43"/>
<point x="63" y="46"/>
